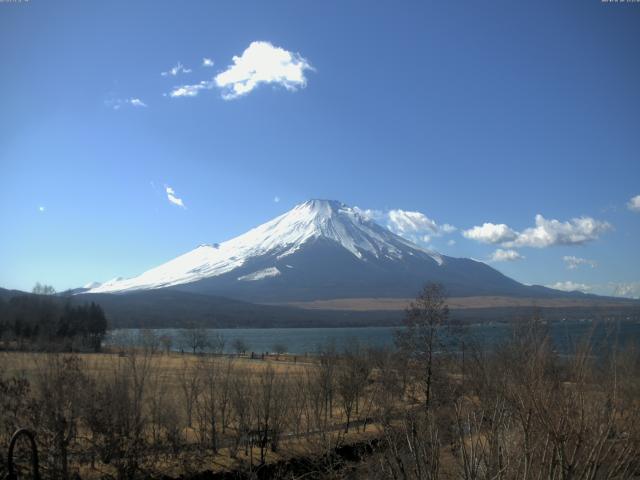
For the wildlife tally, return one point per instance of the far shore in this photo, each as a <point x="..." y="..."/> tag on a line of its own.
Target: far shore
<point x="460" y="303"/>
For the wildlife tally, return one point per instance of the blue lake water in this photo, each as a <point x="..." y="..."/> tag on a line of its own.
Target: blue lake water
<point x="565" y="335"/>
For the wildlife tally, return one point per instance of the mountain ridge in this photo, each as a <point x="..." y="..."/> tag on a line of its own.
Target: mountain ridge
<point x="318" y="250"/>
<point x="279" y="238"/>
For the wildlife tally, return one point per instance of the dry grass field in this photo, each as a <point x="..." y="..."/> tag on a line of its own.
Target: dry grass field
<point x="181" y="401"/>
<point x="172" y="364"/>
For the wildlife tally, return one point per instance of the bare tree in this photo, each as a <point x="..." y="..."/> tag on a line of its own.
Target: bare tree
<point x="240" y="346"/>
<point x="194" y="339"/>
<point x="411" y="448"/>
<point x="59" y="386"/>
<point x="166" y="341"/>
<point x="15" y="400"/>
<point x="40" y="289"/>
<point x="269" y="409"/>
<point x="210" y="375"/>
<point x="298" y="403"/>
<point x="420" y="337"/>
<point x="158" y="402"/>
<point x="217" y="343"/>
<point x="190" y="387"/>
<point x="116" y="413"/>
<point x="241" y="398"/>
<point x="352" y="376"/>
<point x="149" y="340"/>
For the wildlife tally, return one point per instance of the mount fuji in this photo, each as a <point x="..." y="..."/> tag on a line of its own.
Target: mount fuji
<point x="319" y="250"/>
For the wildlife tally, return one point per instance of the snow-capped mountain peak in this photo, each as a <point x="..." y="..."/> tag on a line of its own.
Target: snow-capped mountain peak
<point x="328" y="220"/>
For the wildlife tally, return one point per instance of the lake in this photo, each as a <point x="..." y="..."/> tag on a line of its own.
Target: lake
<point x="307" y="340"/>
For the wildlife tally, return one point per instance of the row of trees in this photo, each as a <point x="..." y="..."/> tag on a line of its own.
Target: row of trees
<point x="46" y="320"/>
<point x="191" y="339"/>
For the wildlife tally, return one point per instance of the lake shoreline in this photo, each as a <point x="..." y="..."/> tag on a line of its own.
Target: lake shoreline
<point x="302" y="340"/>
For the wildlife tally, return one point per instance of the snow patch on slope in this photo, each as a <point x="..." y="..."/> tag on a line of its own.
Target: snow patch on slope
<point x="260" y="274"/>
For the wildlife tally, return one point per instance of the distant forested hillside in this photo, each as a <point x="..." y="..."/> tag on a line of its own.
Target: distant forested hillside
<point x="45" y="320"/>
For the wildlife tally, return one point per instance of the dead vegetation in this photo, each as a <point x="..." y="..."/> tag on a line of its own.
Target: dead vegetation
<point x="423" y="411"/>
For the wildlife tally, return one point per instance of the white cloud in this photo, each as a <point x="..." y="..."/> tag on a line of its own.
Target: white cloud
<point x="276" y="199"/>
<point x="546" y="233"/>
<point x="407" y="223"/>
<point x="553" y="232"/>
<point x="191" y="90"/>
<point x="207" y="62"/>
<point x="136" y="102"/>
<point x="369" y="214"/>
<point x="451" y="242"/>
<point x="41" y="209"/>
<point x="171" y="196"/>
<point x="414" y="226"/>
<point x="569" y="286"/>
<point x="260" y="63"/>
<point x="178" y="69"/>
<point x="501" y="255"/>
<point x="573" y="262"/>
<point x="634" y="204"/>
<point x="490" y="233"/>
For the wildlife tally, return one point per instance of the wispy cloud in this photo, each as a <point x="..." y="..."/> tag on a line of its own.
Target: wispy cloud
<point x="262" y="62"/>
<point x="207" y="62"/>
<point x="625" y="289"/>
<point x="173" y="198"/>
<point x="191" y="90"/>
<point x="613" y="289"/>
<point x="569" y="286"/>
<point x="546" y="233"/>
<point x="634" y="204"/>
<point x="414" y="226"/>
<point x="118" y="103"/>
<point x="41" y="209"/>
<point x="573" y="262"/>
<point x="178" y="69"/>
<point x="501" y="255"/>
<point x="136" y="102"/>
<point x="276" y="199"/>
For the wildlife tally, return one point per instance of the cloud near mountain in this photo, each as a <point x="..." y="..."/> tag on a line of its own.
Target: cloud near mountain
<point x="545" y="233"/>
<point x="412" y="225"/>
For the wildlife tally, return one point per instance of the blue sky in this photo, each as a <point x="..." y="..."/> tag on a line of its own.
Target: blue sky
<point x="468" y="113"/>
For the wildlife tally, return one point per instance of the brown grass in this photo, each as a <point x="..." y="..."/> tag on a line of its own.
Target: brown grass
<point x="168" y="369"/>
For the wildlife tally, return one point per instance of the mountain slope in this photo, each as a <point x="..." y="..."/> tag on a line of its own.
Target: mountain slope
<point x="320" y="249"/>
